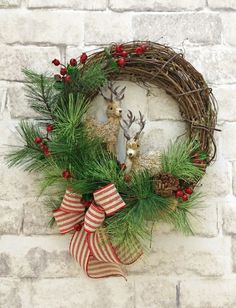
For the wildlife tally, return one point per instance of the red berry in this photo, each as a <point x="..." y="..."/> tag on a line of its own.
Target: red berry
<point x="57" y="77"/>
<point x="49" y="128"/>
<point x="56" y="62"/>
<point x="185" y="198"/>
<point x="144" y="47"/>
<point x="63" y="71"/>
<point x="43" y="146"/>
<point x="38" y="140"/>
<point x="138" y="50"/>
<point x="73" y="62"/>
<point x="66" y="174"/>
<point x="124" y="54"/>
<point x="179" y="194"/>
<point x="119" y="48"/>
<point x="121" y="62"/>
<point x="127" y="178"/>
<point x="83" y="58"/>
<point x="67" y="78"/>
<point x="189" y="191"/>
<point x="47" y="152"/>
<point x="122" y="166"/>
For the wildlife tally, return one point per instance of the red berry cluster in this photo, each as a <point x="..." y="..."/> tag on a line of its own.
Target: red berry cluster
<point x="184" y="193"/>
<point x="64" y="74"/>
<point x="40" y="141"/>
<point x="122" y="54"/>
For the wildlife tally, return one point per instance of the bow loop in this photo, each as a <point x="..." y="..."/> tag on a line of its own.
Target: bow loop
<point x="109" y="199"/>
<point x="94" y="218"/>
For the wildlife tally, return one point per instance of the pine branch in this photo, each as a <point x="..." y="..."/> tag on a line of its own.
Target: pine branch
<point x="177" y="161"/>
<point x="41" y="93"/>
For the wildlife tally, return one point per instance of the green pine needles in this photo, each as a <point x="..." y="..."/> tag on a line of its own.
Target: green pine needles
<point x="58" y="141"/>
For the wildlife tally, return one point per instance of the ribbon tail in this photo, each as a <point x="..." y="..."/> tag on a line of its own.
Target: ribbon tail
<point x="101" y="269"/>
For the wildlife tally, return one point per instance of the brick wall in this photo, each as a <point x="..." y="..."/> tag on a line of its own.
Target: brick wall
<point x="35" y="267"/>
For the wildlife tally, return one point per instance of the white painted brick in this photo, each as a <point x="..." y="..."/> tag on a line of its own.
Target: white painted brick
<point x="217" y="64"/>
<point x="229" y="25"/>
<point x="15" y="58"/>
<point x="16" y="184"/>
<point x="18" y="104"/>
<point x="153" y="292"/>
<point x="222" y="4"/>
<point x="8" y="139"/>
<point x="226" y="102"/>
<point x="36" y="218"/>
<point x="162" y="106"/>
<point x="98" y="32"/>
<point x="45" y="27"/>
<point x="72" y="4"/>
<point x="9" y="3"/>
<point x="14" y="293"/>
<point x="228" y="137"/>
<point x="175" y="28"/>
<point x="156" y="5"/>
<point x="179" y="255"/>
<point x="157" y="137"/>
<point x="37" y="256"/>
<point x="216" y="181"/>
<point x="209" y="293"/>
<point x="234" y="178"/>
<point x="234" y="253"/>
<point x="78" y="292"/>
<point x="229" y="216"/>
<point x="11" y="213"/>
<point x="204" y="217"/>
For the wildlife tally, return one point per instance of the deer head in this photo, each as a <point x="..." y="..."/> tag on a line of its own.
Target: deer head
<point x="114" y="101"/>
<point x="133" y="143"/>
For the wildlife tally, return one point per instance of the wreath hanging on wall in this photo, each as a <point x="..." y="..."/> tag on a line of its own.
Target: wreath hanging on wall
<point x="109" y="207"/>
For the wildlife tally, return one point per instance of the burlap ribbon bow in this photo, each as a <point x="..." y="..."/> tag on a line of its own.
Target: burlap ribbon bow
<point x="90" y="245"/>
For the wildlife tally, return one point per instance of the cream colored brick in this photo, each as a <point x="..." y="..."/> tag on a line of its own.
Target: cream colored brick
<point x="37" y="217"/>
<point x="162" y="106"/>
<point x="9" y="3"/>
<point x="98" y="32"/>
<point x="228" y="137"/>
<point x="222" y="4"/>
<point x="172" y="255"/>
<point x="229" y="24"/>
<point x="39" y="26"/>
<point x="217" y="64"/>
<point x="226" y="102"/>
<point x="175" y="28"/>
<point x="153" y="292"/>
<point x="208" y="293"/>
<point x="156" y="5"/>
<point x="72" y="4"/>
<point x="82" y="292"/>
<point x="11" y="216"/>
<point x="15" y="58"/>
<point x="37" y="256"/>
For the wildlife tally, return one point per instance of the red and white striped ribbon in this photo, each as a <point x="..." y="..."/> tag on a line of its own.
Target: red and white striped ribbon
<point x="90" y="245"/>
<point x="109" y="199"/>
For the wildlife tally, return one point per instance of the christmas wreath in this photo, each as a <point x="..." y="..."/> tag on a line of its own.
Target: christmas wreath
<point x="109" y="207"/>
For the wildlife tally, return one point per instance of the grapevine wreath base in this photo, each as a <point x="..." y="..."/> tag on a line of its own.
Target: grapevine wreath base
<point x="109" y="206"/>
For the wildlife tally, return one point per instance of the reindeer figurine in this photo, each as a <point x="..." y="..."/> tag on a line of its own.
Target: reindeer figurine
<point x="150" y="161"/>
<point x="109" y="131"/>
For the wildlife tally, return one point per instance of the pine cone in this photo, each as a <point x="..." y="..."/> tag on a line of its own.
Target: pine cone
<point x="165" y="184"/>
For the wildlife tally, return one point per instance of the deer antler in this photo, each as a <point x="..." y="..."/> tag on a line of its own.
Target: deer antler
<point x="141" y="123"/>
<point x="119" y="95"/>
<point x="128" y="123"/>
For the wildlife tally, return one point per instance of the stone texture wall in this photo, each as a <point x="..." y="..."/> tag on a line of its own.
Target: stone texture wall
<point x="35" y="267"/>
